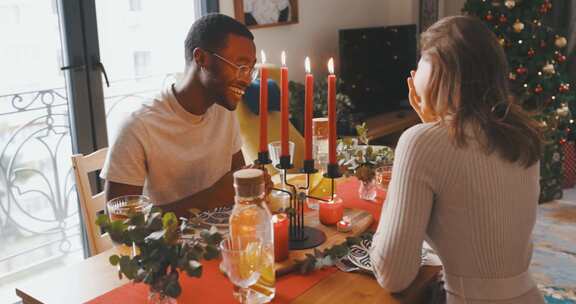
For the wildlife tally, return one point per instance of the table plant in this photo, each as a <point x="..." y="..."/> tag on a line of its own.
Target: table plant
<point x="166" y="249"/>
<point x="357" y="157"/>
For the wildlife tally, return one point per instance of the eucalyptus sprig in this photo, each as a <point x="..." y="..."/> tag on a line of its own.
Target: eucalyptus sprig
<point x="361" y="160"/>
<point x="166" y="248"/>
<point x="326" y="257"/>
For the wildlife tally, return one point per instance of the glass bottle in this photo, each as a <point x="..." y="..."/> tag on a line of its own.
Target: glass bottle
<point x="251" y="219"/>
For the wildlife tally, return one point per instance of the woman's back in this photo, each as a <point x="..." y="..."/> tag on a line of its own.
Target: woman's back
<point x="491" y="201"/>
<point x="477" y="211"/>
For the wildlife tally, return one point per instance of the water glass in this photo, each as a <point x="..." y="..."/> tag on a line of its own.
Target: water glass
<point x="320" y="141"/>
<point x="383" y="176"/>
<point x="123" y="208"/>
<point x="241" y="261"/>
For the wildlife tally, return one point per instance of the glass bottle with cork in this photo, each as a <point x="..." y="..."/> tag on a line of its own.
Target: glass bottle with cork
<point x="251" y="219"/>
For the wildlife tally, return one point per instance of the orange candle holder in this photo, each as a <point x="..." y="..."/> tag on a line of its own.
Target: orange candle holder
<point x="331" y="212"/>
<point x="281" y="240"/>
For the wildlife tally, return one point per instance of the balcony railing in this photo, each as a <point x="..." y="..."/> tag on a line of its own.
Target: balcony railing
<point x="39" y="218"/>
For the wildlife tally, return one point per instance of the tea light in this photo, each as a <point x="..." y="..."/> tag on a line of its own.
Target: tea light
<point x="278" y="201"/>
<point x="330" y="212"/>
<point x="344" y="225"/>
<point x="281" y="224"/>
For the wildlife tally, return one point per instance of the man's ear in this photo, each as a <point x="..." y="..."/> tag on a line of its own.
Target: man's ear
<point x="200" y="57"/>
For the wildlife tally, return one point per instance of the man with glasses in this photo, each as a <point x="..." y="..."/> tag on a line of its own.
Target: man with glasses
<point x="181" y="148"/>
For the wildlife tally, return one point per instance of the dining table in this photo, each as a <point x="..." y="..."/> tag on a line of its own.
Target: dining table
<point x="93" y="277"/>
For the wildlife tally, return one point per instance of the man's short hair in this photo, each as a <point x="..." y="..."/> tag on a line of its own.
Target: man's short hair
<point x="210" y="32"/>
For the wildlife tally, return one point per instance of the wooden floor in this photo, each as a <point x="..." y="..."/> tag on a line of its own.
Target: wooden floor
<point x="554" y="257"/>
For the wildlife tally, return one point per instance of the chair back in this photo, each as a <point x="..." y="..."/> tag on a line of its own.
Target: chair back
<point x="91" y="204"/>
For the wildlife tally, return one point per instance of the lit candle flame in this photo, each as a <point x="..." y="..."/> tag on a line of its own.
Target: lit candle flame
<point x="283" y="58"/>
<point x="263" y="56"/>
<point x="331" y="65"/>
<point x="307" y="65"/>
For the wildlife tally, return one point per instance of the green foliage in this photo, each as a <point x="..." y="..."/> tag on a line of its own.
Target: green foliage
<point x="363" y="159"/>
<point x="165" y="248"/>
<point x="344" y="107"/>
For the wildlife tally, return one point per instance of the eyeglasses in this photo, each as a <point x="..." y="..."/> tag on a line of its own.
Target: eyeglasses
<point x="242" y="71"/>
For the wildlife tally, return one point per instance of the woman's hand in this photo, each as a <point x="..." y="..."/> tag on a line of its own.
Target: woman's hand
<point x="416" y="102"/>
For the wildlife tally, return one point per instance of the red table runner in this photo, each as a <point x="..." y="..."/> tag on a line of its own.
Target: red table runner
<point x="214" y="287"/>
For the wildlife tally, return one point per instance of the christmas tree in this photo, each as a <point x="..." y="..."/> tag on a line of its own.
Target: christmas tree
<point x="536" y="56"/>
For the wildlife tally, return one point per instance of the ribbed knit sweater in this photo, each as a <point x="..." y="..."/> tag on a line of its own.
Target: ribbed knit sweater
<point x="475" y="209"/>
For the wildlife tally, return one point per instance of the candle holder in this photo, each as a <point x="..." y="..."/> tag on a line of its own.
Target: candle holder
<point x="301" y="236"/>
<point x="263" y="158"/>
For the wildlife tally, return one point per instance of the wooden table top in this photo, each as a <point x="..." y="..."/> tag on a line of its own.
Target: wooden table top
<point x="94" y="276"/>
<point x="361" y="222"/>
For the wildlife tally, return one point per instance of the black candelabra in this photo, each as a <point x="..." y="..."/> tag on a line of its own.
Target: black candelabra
<point x="301" y="236"/>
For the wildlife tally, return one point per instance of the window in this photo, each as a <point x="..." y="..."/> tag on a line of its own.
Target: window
<point x="141" y="63"/>
<point x="135" y="5"/>
<point x="40" y="225"/>
<point x="10" y="15"/>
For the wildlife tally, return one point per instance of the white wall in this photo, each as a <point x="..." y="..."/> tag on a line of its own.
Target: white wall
<point x="316" y="33"/>
<point x="451" y="7"/>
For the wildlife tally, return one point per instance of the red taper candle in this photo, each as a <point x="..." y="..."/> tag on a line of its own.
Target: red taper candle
<point x="331" y="113"/>
<point x="284" y="107"/>
<point x="308" y="112"/>
<point x="263" y="105"/>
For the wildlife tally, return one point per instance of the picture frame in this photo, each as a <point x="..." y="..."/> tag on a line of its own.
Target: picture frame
<point x="266" y="13"/>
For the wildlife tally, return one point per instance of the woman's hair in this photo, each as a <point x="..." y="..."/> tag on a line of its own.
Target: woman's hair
<point x="469" y="85"/>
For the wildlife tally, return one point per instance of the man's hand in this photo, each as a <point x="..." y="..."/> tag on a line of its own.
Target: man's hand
<point x="420" y="107"/>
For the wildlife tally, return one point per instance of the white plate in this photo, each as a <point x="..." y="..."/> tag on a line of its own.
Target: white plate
<point x="218" y="217"/>
<point x="359" y="255"/>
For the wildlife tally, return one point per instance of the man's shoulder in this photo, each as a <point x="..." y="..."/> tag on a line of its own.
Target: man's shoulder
<point x="151" y="109"/>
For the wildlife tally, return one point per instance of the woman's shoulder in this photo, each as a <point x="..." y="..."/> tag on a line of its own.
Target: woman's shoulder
<point x="425" y="132"/>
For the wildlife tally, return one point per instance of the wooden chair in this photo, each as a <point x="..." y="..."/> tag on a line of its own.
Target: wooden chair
<point x="91" y="205"/>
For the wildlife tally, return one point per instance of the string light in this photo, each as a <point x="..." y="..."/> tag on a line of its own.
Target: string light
<point x="571" y="121"/>
<point x="519" y="41"/>
<point x="525" y="85"/>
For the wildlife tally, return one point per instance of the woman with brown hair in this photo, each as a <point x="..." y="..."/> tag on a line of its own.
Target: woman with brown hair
<point x="466" y="180"/>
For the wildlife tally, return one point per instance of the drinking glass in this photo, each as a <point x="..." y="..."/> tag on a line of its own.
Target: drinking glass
<point x="125" y="207"/>
<point x="241" y="259"/>
<point x="320" y="131"/>
<point x="383" y="176"/>
<point x="320" y="142"/>
<point x="279" y="200"/>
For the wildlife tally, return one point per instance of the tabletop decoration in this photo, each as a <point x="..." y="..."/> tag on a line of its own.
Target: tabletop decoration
<point x="329" y="256"/>
<point x="301" y="235"/>
<point x="357" y="157"/>
<point x="218" y="217"/>
<point x="330" y="212"/>
<point x="344" y="225"/>
<point x="167" y="248"/>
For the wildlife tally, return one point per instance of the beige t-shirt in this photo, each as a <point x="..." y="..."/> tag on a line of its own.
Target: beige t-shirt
<point x="171" y="152"/>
